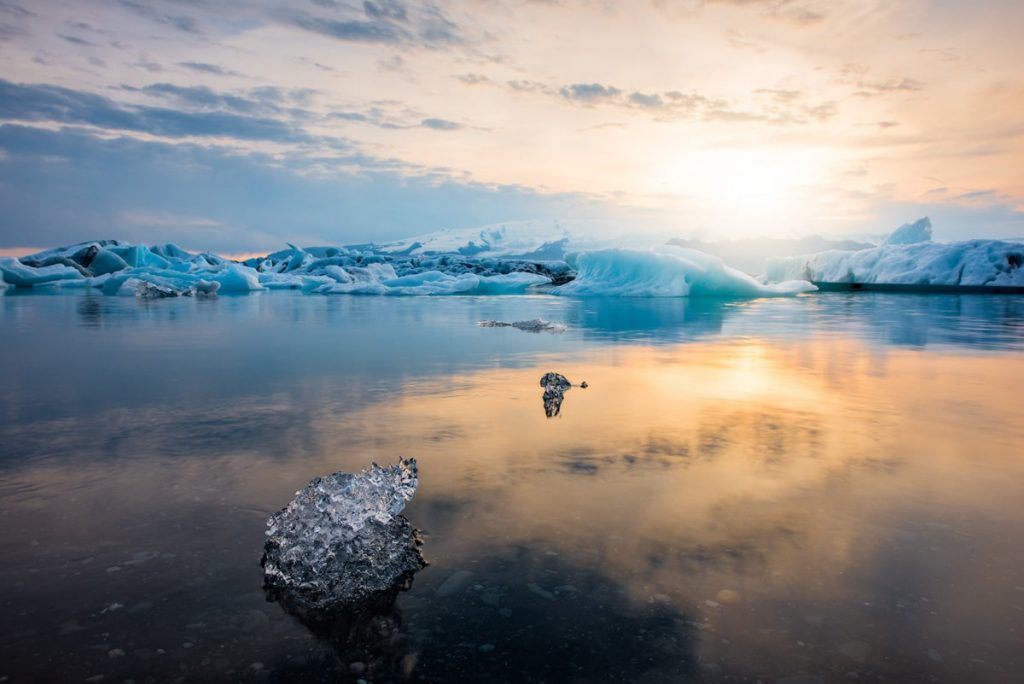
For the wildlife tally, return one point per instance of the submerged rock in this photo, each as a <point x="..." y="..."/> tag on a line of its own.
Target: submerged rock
<point x="343" y="540"/>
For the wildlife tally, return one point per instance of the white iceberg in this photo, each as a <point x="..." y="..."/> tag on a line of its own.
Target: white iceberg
<point x="909" y="257"/>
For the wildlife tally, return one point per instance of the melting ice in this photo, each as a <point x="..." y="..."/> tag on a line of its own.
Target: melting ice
<point x="343" y="538"/>
<point x="515" y="259"/>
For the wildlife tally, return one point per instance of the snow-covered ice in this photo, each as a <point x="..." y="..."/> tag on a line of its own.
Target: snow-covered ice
<point x="343" y="538"/>
<point x="909" y="257"/>
<point x="911" y="233"/>
<point x="516" y="258"/>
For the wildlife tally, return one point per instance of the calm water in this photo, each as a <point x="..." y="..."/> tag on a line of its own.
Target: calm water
<point x="821" y="489"/>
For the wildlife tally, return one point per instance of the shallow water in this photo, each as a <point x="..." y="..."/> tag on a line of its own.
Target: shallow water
<point x="826" y="488"/>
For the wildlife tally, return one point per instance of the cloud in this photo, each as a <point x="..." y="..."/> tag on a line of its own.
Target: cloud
<point x="768" y="105"/>
<point x="589" y="92"/>
<point x="15" y="10"/>
<point x="75" y="40"/>
<point x="473" y="79"/>
<point x="521" y="86"/>
<point x="207" y="68"/>
<point x="182" y="23"/>
<point x="55" y="104"/>
<point x="440" y="124"/>
<point x="386" y="22"/>
<point x="234" y="202"/>
<point x="876" y="88"/>
<point x="801" y="12"/>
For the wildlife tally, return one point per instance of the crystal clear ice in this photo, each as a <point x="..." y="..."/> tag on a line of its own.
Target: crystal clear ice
<point x="343" y="538"/>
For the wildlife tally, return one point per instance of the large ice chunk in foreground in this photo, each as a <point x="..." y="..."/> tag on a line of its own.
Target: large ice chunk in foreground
<point x="343" y="538"/>
<point x="669" y="272"/>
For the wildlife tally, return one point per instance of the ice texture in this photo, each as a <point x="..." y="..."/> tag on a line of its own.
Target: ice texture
<point x="668" y="272"/>
<point x="555" y="385"/>
<point x="972" y="262"/>
<point x="343" y="538"/>
<point x="911" y="233"/>
<point x="521" y="258"/>
<point x="153" y="290"/>
<point x="535" y="325"/>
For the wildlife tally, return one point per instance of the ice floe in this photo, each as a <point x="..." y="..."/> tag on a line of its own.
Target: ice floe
<point x="343" y="538"/>
<point x="535" y="325"/>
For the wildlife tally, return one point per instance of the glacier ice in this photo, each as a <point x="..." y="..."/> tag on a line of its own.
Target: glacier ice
<point x="911" y="233"/>
<point x="524" y="258"/>
<point x="972" y="262"/>
<point x="343" y="538"/>
<point x="669" y="272"/>
<point x="535" y="325"/>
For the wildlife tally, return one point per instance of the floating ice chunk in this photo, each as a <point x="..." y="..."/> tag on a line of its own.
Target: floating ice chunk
<point x="555" y="386"/>
<point x="233" y="278"/>
<point x="671" y="272"/>
<point x="911" y="233"/>
<point x="343" y="538"/>
<point x="535" y="325"/>
<point x="974" y="262"/>
<point x="162" y="290"/>
<point x="18" y="274"/>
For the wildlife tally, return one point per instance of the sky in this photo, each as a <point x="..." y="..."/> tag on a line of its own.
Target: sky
<point x="237" y="125"/>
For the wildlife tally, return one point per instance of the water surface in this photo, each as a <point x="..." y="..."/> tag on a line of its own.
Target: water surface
<point x="825" y="488"/>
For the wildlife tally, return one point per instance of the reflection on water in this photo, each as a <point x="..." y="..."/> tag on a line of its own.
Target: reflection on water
<point x="826" y="487"/>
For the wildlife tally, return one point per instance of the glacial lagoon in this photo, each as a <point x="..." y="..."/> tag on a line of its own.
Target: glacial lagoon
<point x="825" y="488"/>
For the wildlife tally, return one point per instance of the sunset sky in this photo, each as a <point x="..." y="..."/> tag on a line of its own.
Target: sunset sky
<point x="237" y="125"/>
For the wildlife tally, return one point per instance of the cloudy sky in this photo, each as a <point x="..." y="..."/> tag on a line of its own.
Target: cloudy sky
<point x="235" y="125"/>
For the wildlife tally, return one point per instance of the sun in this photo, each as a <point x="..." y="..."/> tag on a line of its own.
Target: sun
<point x="748" y="190"/>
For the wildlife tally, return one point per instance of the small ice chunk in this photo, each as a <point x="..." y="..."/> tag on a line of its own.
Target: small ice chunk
<point x="534" y="325"/>
<point x="555" y="385"/>
<point x="343" y="539"/>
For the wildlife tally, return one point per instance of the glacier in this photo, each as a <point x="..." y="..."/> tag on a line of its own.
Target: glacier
<point x="343" y="539"/>
<point x="909" y="257"/>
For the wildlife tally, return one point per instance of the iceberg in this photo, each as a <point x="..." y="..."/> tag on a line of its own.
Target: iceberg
<point x="17" y="273"/>
<point x="909" y="257"/>
<point x="911" y="233"/>
<point x="499" y="260"/>
<point x="343" y="538"/>
<point x="669" y="272"/>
